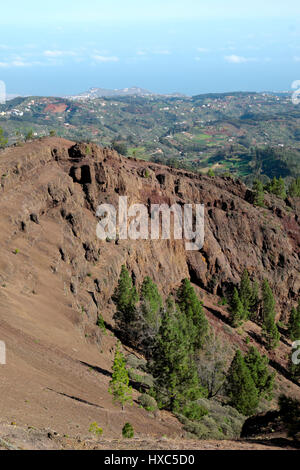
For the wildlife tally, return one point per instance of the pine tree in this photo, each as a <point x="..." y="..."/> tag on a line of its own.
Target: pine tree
<point x="119" y="385"/>
<point x="277" y="187"/>
<point x="259" y="194"/>
<point x="125" y="298"/>
<point x="151" y="302"/>
<point x="172" y="363"/>
<point x="271" y="334"/>
<point x="280" y="190"/>
<point x="236" y="309"/>
<point x="191" y="307"/>
<point x="240" y="387"/>
<point x="294" y="188"/>
<point x="294" y="324"/>
<point x="270" y="330"/>
<point x="258" y="367"/>
<point x="254" y="301"/>
<point x="245" y="292"/>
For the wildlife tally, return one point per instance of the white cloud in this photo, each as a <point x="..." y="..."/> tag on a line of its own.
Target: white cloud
<point x="59" y="53"/>
<point x="53" y="53"/>
<point x="102" y="58"/>
<point x="297" y="58"/>
<point x="15" y="63"/>
<point x="19" y="63"/>
<point x="202" y="49"/>
<point x="153" y="51"/>
<point x="237" y="59"/>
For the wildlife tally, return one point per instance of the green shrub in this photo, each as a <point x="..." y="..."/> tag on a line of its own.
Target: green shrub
<point x="148" y="380"/>
<point x="135" y="363"/>
<point x="135" y="376"/>
<point x="223" y="301"/>
<point x="100" y="323"/>
<point x="95" y="429"/>
<point x="147" y="402"/>
<point x="128" y="431"/>
<point x="194" y="411"/>
<point x="204" y="429"/>
<point x="144" y="380"/>
<point x="221" y="422"/>
<point x="29" y="135"/>
<point x="120" y="147"/>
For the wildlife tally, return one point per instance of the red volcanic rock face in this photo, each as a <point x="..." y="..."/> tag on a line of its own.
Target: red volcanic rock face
<point x="65" y="183"/>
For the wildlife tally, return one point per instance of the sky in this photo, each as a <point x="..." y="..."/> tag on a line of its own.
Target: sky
<point x="190" y="46"/>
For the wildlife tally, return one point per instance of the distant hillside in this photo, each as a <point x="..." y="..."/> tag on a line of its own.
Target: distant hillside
<point x="248" y="135"/>
<point x="94" y="93"/>
<point x="103" y="92"/>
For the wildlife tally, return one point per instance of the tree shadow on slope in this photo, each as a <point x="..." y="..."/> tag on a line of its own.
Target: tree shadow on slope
<point x="80" y="400"/>
<point x="133" y="383"/>
<point x="120" y="336"/>
<point x="97" y="369"/>
<point x="218" y="315"/>
<point x="276" y="365"/>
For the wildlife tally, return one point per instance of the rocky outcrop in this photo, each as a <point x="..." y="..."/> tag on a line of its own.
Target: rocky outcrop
<point x="57" y="180"/>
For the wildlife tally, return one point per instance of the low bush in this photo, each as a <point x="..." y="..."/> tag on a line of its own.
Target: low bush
<point x="128" y="431"/>
<point x="148" y="402"/>
<point x="194" y="411"/>
<point x="144" y="380"/>
<point x="101" y="323"/>
<point x="221" y="422"/>
<point x="136" y="363"/>
<point x="95" y="429"/>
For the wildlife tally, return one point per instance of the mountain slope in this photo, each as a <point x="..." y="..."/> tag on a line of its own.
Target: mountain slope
<point x="56" y="276"/>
